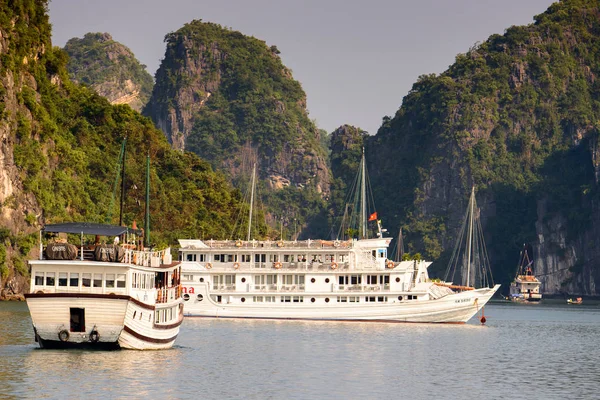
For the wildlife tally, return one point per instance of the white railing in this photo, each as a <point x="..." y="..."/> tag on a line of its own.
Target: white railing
<point x="148" y="258"/>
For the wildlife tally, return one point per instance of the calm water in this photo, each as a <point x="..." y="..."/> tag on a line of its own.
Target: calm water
<point x="546" y="351"/>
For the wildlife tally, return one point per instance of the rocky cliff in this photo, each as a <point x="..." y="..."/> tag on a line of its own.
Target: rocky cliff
<point x="228" y="98"/>
<point x="59" y="149"/>
<point x="109" y="68"/>
<point x="516" y="116"/>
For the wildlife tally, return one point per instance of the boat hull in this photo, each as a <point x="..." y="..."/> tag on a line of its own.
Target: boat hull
<point x="109" y="322"/>
<point x="453" y="308"/>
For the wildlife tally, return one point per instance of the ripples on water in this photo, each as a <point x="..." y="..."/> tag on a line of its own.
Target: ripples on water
<point x="525" y="351"/>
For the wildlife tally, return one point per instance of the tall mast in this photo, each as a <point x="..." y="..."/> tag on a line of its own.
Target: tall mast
<point x="251" y="200"/>
<point x="147" y="224"/>
<point x="122" y="185"/>
<point x="363" y="196"/>
<point x="471" y="211"/>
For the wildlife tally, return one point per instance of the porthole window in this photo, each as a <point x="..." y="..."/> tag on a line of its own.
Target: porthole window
<point x="243" y="280"/>
<point x="397" y="279"/>
<point x="186" y="297"/>
<point x="201" y="279"/>
<point x="326" y="299"/>
<point x="312" y="280"/>
<point x="326" y="280"/>
<point x="312" y="300"/>
<point x="400" y="298"/>
<point x="243" y="299"/>
<point x="200" y="297"/>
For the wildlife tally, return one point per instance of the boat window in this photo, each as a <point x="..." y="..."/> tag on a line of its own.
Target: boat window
<point x="191" y="257"/>
<point x="77" y="319"/>
<point x="371" y="279"/>
<point x="49" y="278"/>
<point x="270" y="299"/>
<point x="286" y="299"/>
<point x="353" y="299"/>
<point x="97" y="280"/>
<point x="326" y="280"/>
<point x="382" y="253"/>
<point x="110" y="280"/>
<point x="121" y="280"/>
<point x="382" y="299"/>
<point x="298" y="299"/>
<point x="230" y="258"/>
<point x="217" y="257"/>
<point x="245" y="257"/>
<point x="39" y="278"/>
<point x="258" y="299"/>
<point x="86" y="280"/>
<point x="342" y="299"/>
<point x="370" y="299"/>
<point x="74" y="279"/>
<point x="62" y="279"/>
<point x="355" y="279"/>
<point x="343" y="279"/>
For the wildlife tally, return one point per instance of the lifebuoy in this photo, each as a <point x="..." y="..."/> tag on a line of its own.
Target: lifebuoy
<point x="334" y="265"/>
<point x="390" y="264"/>
<point x="94" y="336"/>
<point x="336" y="243"/>
<point x="208" y="266"/>
<point x="63" y="335"/>
<point x="277" y="265"/>
<point x="238" y="243"/>
<point x="280" y="243"/>
<point x="236" y="265"/>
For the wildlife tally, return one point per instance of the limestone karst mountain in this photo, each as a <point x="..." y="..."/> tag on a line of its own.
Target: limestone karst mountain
<point x="110" y="68"/>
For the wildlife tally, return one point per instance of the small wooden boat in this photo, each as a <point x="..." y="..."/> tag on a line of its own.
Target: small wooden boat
<point x="578" y="300"/>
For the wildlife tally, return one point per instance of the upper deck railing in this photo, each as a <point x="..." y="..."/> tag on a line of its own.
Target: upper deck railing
<point x="274" y="244"/>
<point x="106" y="253"/>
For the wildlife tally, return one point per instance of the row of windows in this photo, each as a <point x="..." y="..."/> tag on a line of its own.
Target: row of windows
<point x="166" y="314"/>
<point x="262" y="258"/>
<point x="75" y="279"/>
<point x="340" y="299"/>
<point x="142" y="280"/>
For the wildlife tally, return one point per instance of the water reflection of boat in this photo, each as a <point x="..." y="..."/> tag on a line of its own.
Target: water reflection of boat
<point x="578" y="300"/>
<point x="525" y="288"/>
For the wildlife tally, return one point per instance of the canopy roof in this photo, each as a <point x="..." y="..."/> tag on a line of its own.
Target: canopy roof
<point x="90" y="228"/>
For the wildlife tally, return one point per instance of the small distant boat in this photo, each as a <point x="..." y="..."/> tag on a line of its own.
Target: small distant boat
<point x="578" y="300"/>
<point x="525" y="288"/>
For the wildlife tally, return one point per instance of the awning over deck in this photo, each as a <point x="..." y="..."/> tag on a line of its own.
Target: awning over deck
<point x="89" y="228"/>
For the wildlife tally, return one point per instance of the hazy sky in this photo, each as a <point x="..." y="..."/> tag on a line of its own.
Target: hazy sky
<point x="356" y="60"/>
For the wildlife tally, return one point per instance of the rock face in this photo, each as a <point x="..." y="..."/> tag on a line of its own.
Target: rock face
<point x="228" y="98"/>
<point x="515" y="117"/>
<point x="110" y="68"/>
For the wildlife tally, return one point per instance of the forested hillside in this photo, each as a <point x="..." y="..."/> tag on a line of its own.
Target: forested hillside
<point x="517" y="117"/>
<point x="60" y="149"/>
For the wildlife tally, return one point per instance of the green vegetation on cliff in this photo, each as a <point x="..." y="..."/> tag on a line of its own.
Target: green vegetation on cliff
<point x="110" y="68"/>
<point x="228" y="98"/>
<point x="66" y="141"/>
<point x="516" y="116"/>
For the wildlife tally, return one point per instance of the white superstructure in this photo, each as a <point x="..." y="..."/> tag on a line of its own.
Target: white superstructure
<point x="104" y="296"/>
<point x="317" y="280"/>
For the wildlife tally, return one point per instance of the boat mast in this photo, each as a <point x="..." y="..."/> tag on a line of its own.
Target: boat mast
<point x="147" y="224"/>
<point x="251" y="201"/>
<point x="363" y="195"/>
<point x="122" y="185"/>
<point x="471" y="211"/>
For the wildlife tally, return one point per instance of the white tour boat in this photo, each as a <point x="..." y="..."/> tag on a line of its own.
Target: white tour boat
<point x="341" y="280"/>
<point x="103" y="296"/>
<point x="525" y="288"/>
